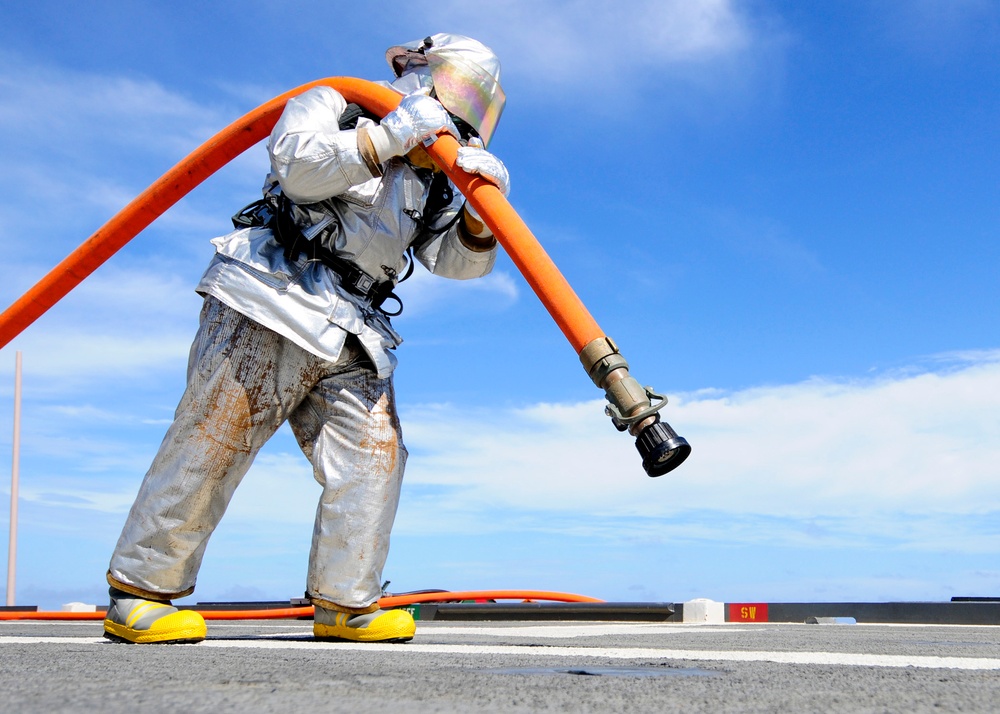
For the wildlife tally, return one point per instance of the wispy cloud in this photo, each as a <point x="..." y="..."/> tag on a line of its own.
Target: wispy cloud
<point x="80" y="498"/>
<point x="51" y="106"/>
<point x="564" y="46"/>
<point x="134" y="321"/>
<point x="85" y="144"/>
<point x="562" y="38"/>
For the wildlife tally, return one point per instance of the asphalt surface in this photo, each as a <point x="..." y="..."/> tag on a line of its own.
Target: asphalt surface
<point x="274" y="666"/>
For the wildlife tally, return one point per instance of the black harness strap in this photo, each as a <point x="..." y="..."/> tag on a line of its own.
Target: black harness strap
<point x="275" y="212"/>
<point x="353" y="112"/>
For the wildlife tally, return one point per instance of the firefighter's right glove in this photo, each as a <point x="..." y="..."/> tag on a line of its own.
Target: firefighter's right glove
<point x="417" y="119"/>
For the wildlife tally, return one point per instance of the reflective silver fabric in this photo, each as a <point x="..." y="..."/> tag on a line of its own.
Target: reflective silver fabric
<point x="368" y="220"/>
<point x="122" y="605"/>
<point x="476" y="160"/>
<point x="465" y="74"/>
<point x="417" y="118"/>
<point x="244" y="381"/>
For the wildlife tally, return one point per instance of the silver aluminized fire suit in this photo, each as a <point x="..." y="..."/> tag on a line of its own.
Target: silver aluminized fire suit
<point x="280" y="340"/>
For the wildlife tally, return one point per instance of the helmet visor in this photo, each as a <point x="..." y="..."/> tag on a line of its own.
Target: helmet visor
<point x="467" y="91"/>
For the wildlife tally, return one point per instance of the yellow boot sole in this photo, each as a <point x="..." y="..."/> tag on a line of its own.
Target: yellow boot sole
<point x="183" y="626"/>
<point x="391" y="626"/>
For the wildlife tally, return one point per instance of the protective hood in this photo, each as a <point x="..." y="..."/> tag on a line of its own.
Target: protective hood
<point x="465" y="75"/>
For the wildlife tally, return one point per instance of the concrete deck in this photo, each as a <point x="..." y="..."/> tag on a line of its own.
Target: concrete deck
<point x="509" y="667"/>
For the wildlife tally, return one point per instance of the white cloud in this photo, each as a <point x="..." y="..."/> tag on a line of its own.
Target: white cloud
<point x="908" y="460"/>
<point x="902" y="456"/>
<point x="49" y="107"/>
<point x="122" y="321"/>
<point x="561" y="37"/>
<point x="81" y="145"/>
<point x="99" y="355"/>
<point x="77" y="498"/>
<point x="577" y="43"/>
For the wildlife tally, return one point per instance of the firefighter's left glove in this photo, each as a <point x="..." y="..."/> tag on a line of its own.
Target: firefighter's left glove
<point x="417" y="119"/>
<point x="474" y="159"/>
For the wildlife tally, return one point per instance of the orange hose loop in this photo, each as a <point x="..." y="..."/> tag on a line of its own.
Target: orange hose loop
<point x="529" y="257"/>
<point x="280" y="613"/>
<point x="150" y="204"/>
<point x="416" y="598"/>
<point x="47" y="615"/>
<point x="298" y="612"/>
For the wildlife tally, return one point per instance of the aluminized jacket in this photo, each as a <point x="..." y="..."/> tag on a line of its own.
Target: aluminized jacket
<point x="368" y="220"/>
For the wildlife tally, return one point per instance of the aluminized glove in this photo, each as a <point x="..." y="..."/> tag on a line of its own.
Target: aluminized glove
<point x="474" y="159"/>
<point x="418" y="118"/>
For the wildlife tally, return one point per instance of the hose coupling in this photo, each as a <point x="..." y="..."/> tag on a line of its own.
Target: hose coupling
<point x="600" y="358"/>
<point x="634" y="408"/>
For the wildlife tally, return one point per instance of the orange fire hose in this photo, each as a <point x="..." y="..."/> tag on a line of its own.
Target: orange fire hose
<point x="529" y="257"/>
<point x="631" y="405"/>
<point x="297" y="612"/>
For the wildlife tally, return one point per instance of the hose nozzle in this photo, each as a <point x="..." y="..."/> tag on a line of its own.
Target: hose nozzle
<point x="632" y="408"/>
<point x="661" y="449"/>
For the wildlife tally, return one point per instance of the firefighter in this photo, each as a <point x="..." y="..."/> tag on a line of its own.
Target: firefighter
<point x="296" y="327"/>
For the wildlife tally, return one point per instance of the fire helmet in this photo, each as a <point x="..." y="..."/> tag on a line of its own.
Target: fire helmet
<point x="463" y="73"/>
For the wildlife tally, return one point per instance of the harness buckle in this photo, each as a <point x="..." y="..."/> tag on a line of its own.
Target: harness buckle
<point x="363" y="282"/>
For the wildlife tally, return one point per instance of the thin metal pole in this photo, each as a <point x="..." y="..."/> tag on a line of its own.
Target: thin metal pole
<point x="14" y="478"/>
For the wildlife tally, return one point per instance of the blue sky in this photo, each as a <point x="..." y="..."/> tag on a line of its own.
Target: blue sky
<point x="785" y="213"/>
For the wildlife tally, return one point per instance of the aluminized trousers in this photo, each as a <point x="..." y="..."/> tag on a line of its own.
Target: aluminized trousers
<point x="244" y="381"/>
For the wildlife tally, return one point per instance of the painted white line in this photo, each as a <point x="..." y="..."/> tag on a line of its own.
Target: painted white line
<point x="552" y="631"/>
<point x="843" y="659"/>
<point x="260" y="624"/>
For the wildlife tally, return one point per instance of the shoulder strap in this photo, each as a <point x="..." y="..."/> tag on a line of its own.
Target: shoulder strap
<point x="440" y="194"/>
<point x="353" y="112"/>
